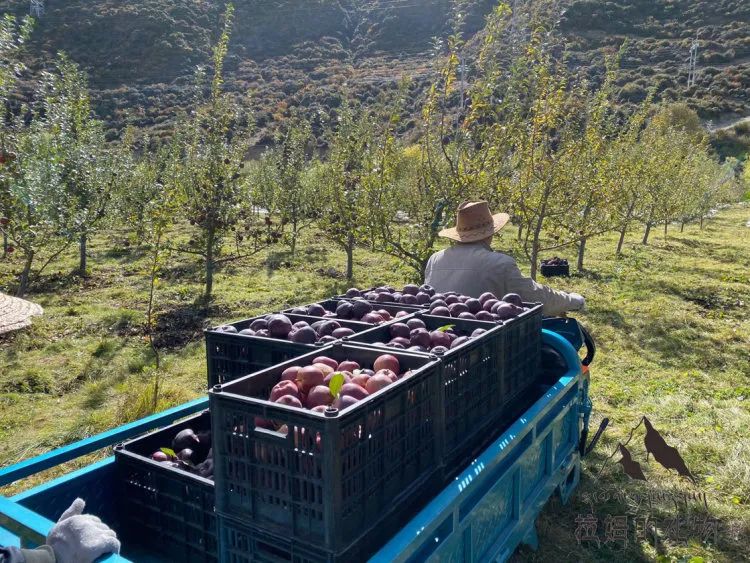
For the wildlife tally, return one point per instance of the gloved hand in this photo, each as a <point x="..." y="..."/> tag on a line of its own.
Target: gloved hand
<point x="81" y="538"/>
<point x="579" y="303"/>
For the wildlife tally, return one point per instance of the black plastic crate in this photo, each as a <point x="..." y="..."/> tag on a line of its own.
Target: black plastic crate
<point x="471" y="382"/>
<point x="161" y="508"/>
<point x="243" y="543"/>
<point x="393" y="308"/>
<point x="329" y="479"/>
<point x="554" y="270"/>
<point x="523" y="352"/>
<point x="230" y="355"/>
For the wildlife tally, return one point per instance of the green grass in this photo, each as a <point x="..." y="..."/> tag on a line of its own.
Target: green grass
<point x="671" y="321"/>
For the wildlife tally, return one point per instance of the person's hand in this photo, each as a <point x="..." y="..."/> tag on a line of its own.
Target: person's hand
<point x="81" y="538"/>
<point x="579" y="303"/>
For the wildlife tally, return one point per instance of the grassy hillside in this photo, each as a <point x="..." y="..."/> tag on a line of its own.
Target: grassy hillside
<point x="671" y="320"/>
<point x="140" y="55"/>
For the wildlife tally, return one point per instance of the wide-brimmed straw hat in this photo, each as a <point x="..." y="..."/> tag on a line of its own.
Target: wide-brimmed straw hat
<point x="16" y="313"/>
<point x="475" y="221"/>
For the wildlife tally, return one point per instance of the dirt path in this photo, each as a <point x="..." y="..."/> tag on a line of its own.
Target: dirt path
<point x="729" y="125"/>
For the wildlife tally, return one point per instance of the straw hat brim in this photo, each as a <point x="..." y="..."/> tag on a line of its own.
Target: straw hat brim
<point x="499" y="220"/>
<point x="16" y="313"/>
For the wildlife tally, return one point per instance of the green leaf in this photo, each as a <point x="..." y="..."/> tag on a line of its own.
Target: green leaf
<point x="337" y="381"/>
<point x="445" y="328"/>
<point x="696" y="559"/>
<point x="169" y="452"/>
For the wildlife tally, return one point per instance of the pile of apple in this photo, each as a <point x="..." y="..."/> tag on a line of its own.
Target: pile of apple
<point x="410" y="295"/>
<point x="487" y="307"/>
<point x="357" y="309"/>
<point x="555" y="261"/>
<point x="190" y="452"/>
<point x="413" y="335"/>
<point x="280" y="326"/>
<point x="330" y="383"/>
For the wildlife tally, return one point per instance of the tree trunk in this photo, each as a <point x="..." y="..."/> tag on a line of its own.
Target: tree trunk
<point x="150" y="312"/>
<point x="682" y="227"/>
<point x="620" y="242"/>
<point x="581" y="252"/>
<point x="350" y="257"/>
<point x="520" y="232"/>
<point x="666" y="224"/>
<point x="537" y="231"/>
<point x="23" y="284"/>
<point x="535" y="248"/>
<point x="582" y="241"/>
<point x="5" y="245"/>
<point x="701" y="222"/>
<point x="624" y="229"/>
<point x="82" y="261"/>
<point x="647" y="232"/>
<point x="534" y="256"/>
<point x="209" y="266"/>
<point x="422" y="269"/>
<point x="294" y="236"/>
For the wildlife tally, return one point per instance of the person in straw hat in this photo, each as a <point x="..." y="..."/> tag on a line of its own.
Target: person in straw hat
<point x="16" y="313"/>
<point x="471" y="267"/>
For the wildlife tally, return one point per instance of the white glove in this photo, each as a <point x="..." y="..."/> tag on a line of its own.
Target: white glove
<point x="81" y="538"/>
<point x="578" y="302"/>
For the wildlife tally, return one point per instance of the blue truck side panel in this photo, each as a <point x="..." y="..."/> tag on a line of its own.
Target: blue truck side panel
<point x="483" y="515"/>
<point x="491" y="507"/>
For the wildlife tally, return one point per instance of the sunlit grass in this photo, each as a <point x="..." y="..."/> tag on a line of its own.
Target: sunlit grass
<point x="671" y="320"/>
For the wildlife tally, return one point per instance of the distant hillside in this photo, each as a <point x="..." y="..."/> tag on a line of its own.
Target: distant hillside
<point x="141" y="54"/>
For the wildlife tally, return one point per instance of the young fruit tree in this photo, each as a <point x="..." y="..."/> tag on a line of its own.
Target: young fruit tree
<point x="86" y="166"/>
<point x="281" y="180"/>
<point x="215" y="141"/>
<point x="341" y="178"/>
<point x="34" y="201"/>
<point x="12" y="38"/>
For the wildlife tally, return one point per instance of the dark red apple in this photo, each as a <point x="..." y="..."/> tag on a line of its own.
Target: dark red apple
<point x="353" y="390"/>
<point x="387" y="361"/>
<point x="348" y="365"/>
<point x="474" y="305"/>
<point x="309" y="377"/>
<point x="279" y="325"/>
<point x="316" y="310"/>
<point x="486" y="297"/>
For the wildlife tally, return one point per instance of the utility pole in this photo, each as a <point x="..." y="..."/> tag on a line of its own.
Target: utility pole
<point x="36" y="8"/>
<point x="462" y="70"/>
<point x="693" y="63"/>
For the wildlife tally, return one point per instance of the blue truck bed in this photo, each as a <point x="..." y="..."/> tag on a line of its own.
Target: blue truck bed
<point x="484" y="514"/>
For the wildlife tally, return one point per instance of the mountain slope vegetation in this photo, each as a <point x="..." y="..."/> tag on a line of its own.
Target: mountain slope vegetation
<point x="285" y="54"/>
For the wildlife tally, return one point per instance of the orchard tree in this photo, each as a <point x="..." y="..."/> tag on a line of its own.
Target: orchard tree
<point x="162" y="169"/>
<point x="87" y="167"/>
<point x="12" y="38"/>
<point x="342" y="181"/>
<point x="282" y="179"/>
<point x="35" y="202"/>
<point x="139" y="187"/>
<point x="215" y="142"/>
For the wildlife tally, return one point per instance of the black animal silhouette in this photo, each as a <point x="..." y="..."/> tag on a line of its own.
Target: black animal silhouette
<point x="665" y="454"/>
<point x="632" y="468"/>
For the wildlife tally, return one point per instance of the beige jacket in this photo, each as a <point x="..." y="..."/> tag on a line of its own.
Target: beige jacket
<point x="473" y="269"/>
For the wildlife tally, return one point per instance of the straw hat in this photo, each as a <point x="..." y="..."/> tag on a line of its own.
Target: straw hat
<point x="16" y="313"/>
<point x="475" y="221"/>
